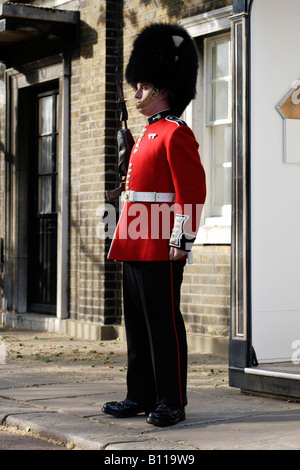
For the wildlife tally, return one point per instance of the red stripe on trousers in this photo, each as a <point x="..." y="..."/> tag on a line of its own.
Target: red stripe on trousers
<point x="178" y="351"/>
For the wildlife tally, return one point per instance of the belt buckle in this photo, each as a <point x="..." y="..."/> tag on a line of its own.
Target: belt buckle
<point x="130" y="196"/>
<point x="126" y="196"/>
<point x="154" y="196"/>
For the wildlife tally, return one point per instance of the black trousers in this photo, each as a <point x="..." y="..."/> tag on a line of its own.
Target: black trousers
<point x="156" y="335"/>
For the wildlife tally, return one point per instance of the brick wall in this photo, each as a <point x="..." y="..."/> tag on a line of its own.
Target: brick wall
<point x="205" y="299"/>
<point x="94" y="282"/>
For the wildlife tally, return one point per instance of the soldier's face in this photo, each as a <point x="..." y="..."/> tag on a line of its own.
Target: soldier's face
<point x="149" y="99"/>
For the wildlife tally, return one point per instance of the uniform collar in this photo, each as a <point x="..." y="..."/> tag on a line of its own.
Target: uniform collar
<point x="157" y="116"/>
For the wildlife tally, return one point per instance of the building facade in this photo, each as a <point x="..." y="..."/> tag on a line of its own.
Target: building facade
<point x="58" y="124"/>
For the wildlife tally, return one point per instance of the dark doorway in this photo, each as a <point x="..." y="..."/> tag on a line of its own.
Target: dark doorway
<point x="42" y="198"/>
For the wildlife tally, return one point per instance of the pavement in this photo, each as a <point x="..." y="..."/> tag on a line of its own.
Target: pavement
<point x="53" y="387"/>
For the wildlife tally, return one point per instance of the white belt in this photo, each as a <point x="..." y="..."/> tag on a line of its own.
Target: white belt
<point x="134" y="196"/>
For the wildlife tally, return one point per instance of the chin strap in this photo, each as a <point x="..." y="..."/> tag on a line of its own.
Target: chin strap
<point x="148" y="99"/>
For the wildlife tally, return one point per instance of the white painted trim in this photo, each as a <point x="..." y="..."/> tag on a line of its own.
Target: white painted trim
<point x="269" y="373"/>
<point x="63" y="197"/>
<point x="210" y="22"/>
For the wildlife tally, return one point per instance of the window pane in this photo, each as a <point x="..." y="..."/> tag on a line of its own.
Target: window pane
<point x="45" y="193"/>
<point x="219" y="101"/>
<point x="57" y="113"/>
<point x="45" y="154"/>
<point x="45" y="114"/>
<point x="222" y="185"/>
<point x="221" y="136"/>
<point x="220" y="59"/>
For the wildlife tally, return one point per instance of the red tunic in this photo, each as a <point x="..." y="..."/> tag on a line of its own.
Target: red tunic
<point x="164" y="159"/>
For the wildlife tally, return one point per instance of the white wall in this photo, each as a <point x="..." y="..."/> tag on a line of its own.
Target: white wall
<point x="275" y="187"/>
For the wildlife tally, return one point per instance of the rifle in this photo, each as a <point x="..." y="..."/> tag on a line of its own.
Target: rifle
<point x="125" y="143"/>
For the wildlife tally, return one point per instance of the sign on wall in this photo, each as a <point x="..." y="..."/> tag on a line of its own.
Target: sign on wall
<point x="289" y="109"/>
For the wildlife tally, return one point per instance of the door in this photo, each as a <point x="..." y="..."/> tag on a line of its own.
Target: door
<point x="42" y="207"/>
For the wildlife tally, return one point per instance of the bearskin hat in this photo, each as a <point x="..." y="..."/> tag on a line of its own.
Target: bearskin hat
<point x="165" y="55"/>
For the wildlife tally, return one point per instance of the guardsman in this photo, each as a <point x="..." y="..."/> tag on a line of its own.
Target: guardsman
<point x="161" y="209"/>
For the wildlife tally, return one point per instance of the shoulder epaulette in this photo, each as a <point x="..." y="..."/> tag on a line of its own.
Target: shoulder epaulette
<point x="177" y="121"/>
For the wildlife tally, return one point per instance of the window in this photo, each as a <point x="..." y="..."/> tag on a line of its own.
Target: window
<point x="217" y="122"/>
<point x="42" y="204"/>
<point x="47" y="142"/>
<point x="209" y="115"/>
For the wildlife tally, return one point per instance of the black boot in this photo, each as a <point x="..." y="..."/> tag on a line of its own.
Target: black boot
<point x="165" y="415"/>
<point x="125" y="409"/>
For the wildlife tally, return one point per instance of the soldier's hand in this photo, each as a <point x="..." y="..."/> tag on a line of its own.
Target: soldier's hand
<point x="176" y="253"/>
